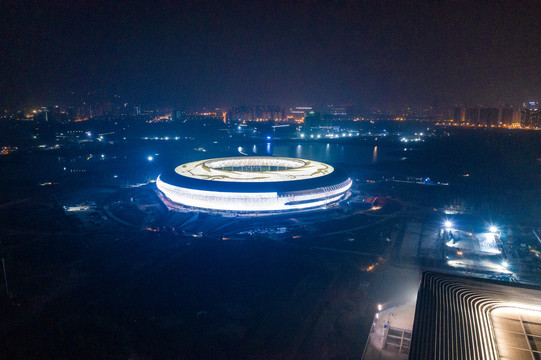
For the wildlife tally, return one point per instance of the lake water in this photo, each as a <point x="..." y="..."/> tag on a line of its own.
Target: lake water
<point x="348" y="153"/>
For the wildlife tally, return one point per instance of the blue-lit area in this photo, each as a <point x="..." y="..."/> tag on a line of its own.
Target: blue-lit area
<point x="474" y="249"/>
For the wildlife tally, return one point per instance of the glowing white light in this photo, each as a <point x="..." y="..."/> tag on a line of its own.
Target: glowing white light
<point x="150" y="158"/>
<point x="493" y="229"/>
<point x="488" y="243"/>
<point x="380" y="307"/>
<point x="297" y="169"/>
<point x="448" y="224"/>
<point x="227" y="169"/>
<point x="479" y="264"/>
<point x="269" y="201"/>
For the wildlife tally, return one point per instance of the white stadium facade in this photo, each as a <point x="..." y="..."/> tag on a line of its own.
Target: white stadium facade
<point x="254" y="184"/>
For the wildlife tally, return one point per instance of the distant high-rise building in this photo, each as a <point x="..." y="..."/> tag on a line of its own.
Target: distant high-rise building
<point x="488" y="116"/>
<point x="255" y="113"/>
<point x="312" y="120"/>
<point x="298" y="112"/>
<point x="338" y="112"/>
<point x="530" y="115"/>
<point x="458" y="115"/>
<point x="203" y="118"/>
<point x="472" y="116"/>
<point x="508" y="116"/>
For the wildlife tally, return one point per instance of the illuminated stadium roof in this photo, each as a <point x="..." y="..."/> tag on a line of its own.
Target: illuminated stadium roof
<point x="466" y="318"/>
<point x="254" y="169"/>
<point x="254" y="183"/>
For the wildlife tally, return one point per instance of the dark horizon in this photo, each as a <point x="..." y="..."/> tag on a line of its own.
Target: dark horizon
<point x="203" y="53"/>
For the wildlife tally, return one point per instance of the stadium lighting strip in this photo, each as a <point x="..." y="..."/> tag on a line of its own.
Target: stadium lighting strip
<point x="255" y="169"/>
<point x="257" y="201"/>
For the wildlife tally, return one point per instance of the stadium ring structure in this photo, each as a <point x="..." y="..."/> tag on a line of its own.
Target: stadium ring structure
<point x="254" y="184"/>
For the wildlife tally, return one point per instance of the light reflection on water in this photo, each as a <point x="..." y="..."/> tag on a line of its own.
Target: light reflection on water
<point x="327" y="152"/>
<point x="333" y="153"/>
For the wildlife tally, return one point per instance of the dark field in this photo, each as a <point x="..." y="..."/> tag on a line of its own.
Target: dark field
<point x="124" y="293"/>
<point x="103" y="286"/>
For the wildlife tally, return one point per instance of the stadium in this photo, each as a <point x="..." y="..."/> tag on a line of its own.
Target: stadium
<point x="254" y="184"/>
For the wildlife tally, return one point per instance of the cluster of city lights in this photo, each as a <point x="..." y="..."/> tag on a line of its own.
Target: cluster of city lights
<point x="165" y="138"/>
<point x="330" y="136"/>
<point x="405" y="140"/>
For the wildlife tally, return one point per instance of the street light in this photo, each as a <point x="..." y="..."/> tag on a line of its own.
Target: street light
<point x="493" y="229"/>
<point x="150" y="158"/>
<point x="448" y="224"/>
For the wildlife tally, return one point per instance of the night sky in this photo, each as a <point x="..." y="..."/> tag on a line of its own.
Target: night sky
<point x="369" y="53"/>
